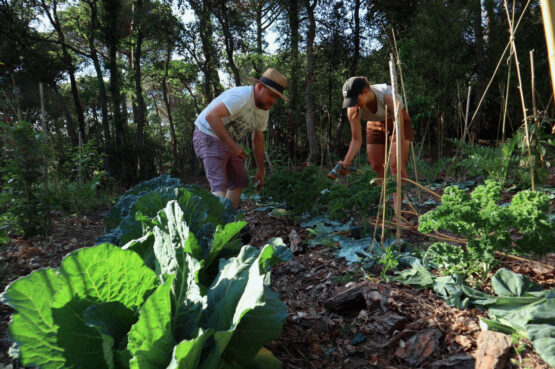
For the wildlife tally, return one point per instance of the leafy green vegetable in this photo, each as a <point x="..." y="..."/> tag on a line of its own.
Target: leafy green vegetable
<point x="62" y="319"/>
<point x="105" y="308"/>
<point x="488" y="226"/>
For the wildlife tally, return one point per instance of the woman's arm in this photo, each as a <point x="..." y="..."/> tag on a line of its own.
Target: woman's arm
<point x="356" y="136"/>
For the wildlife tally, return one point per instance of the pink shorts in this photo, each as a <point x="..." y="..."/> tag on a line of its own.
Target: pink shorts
<point x="223" y="171"/>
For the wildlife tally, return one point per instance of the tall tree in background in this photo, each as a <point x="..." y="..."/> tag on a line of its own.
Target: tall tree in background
<point x="292" y="9"/>
<point x="126" y="169"/>
<point x="93" y="29"/>
<point x="203" y="11"/>
<point x="50" y="9"/>
<point x="314" y="153"/>
<point x="233" y="27"/>
<point x="264" y="13"/>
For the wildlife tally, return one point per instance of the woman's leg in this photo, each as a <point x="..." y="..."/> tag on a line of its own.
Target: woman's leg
<point x="376" y="158"/>
<point x="395" y="164"/>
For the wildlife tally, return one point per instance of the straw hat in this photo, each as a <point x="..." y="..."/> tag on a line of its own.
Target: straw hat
<point x="275" y="81"/>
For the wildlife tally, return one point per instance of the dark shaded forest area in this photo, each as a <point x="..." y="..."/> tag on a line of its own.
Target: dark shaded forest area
<point x="114" y="254"/>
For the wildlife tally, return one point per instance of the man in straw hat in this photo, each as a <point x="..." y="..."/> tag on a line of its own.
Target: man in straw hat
<point x="228" y="118"/>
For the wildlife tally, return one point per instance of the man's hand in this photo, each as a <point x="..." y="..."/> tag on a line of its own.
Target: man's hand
<point x="259" y="178"/>
<point x="237" y="150"/>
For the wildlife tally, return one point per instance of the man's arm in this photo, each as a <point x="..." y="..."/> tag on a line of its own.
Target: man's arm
<point x="356" y="137"/>
<point x="258" y="148"/>
<point x="214" y="118"/>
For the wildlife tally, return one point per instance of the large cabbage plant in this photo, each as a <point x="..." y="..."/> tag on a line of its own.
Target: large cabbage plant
<point x="104" y="307"/>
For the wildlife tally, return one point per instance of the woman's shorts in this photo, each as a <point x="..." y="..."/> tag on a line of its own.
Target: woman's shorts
<point x="375" y="132"/>
<point x="223" y="171"/>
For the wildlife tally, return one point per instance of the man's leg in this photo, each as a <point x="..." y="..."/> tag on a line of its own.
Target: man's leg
<point x="234" y="196"/>
<point x="237" y="180"/>
<point x="214" y="155"/>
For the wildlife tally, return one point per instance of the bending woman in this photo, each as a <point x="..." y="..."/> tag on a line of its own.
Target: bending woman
<point x="367" y="102"/>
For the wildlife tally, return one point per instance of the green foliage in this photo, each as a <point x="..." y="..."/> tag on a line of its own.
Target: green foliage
<point x="359" y="197"/>
<point x="122" y="208"/>
<point x="487" y="225"/>
<point x="431" y="171"/>
<point x="488" y="162"/>
<point x="82" y="163"/>
<point x="448" y="259"/>
<point x="542" y="146"/>
<point x="310" y="190"/>
<point x="76" y="197"/>
<point x="106" y="308"/>
<point x="300" y="190"/>
<point x="204" y="211"/>
<point x="22" y="200"/>
<point x="388" y="260"/>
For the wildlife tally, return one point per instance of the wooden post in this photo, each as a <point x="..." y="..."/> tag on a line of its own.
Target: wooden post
<point x="520" y="88"/>
<point x="548" y="15"/>
<point x="398" y="143"/>
<point x="465" y="132"/>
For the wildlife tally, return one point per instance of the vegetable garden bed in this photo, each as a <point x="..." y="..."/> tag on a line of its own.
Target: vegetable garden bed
<point x="315" y="336"/>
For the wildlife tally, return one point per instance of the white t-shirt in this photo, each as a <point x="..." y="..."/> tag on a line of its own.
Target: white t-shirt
<point x="245" y="116"/>
<point x="381" y="90"/>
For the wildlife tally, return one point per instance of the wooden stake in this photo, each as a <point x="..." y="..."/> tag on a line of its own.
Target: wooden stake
<point x="398" y="142"/>
<point x="465" y="132"/>
<point x="548" y="16"/>
<point x="520" y="88"/>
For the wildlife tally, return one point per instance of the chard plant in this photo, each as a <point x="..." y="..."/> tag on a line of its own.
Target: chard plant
<point x="487" y="226"/>
<point x="104" y="307"/>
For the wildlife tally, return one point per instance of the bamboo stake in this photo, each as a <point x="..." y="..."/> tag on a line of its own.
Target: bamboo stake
<point x="404" y="96"/>
<point x="533" y="86"/>
<point x="422" y="187"/>
<point x="506" y="99"/>
<point x="398" y="142"/>
<point x="465" y="132"/>
<point x="515" y="55"/>
<point x="495" y="72"/>
<point x="548" y="16"/>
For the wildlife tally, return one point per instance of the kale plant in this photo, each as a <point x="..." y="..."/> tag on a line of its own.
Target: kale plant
<point x="487" y="225"/>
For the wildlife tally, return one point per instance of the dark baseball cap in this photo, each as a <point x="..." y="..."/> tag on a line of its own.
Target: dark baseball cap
<point x="351" y="89"/>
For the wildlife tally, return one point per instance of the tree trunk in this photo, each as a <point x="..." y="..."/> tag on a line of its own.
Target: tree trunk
<point x="223" y="17"/>
<point x="101" y="87"/>
<point x="169" y="110"/>
<point x="314" y="153"/>
<point x="209" y="67"/>
<point x="125" y="166"/>
<point x="293" y="15"/>
<point x="69" y="119"/>
<point x="145" y="164"/>
<point x="356" y="39"/>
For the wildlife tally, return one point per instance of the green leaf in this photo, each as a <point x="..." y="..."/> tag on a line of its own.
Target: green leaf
<point x="240" y="292"/>
<point x="264" y="359"/>
<point x="188" y="299"/>
<point x="113" y="321"/>
<point x="541" y="331"/>
<point x="186" y="355"/>
<point x="222" y="237"/>
<point x="416" y="277"/>
<point x="507" y="283"/>
<point x="99" y="274"/>
<point x="32" y="325"/>
<point x="151" y="339"/>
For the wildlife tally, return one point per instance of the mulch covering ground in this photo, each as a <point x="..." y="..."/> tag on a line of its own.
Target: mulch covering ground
<point x="383" y="335"/>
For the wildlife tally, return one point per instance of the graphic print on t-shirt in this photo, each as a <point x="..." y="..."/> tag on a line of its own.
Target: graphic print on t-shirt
<point x="243" y="124"/>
